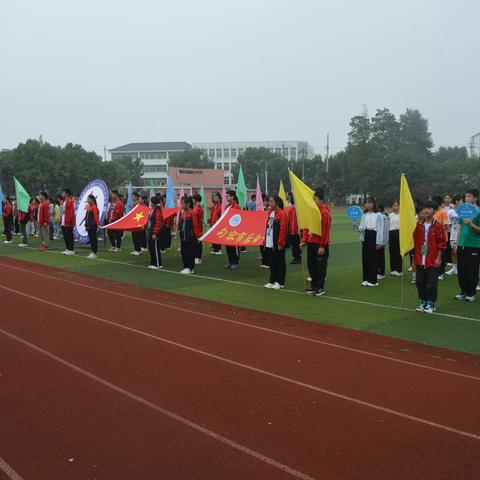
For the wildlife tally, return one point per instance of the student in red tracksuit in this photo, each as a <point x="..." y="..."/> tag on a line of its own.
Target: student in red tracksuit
<point x="233" y="253"/>
<point x="92" y="220"/>
<point x="198" y="211"/>
<point x="293" y="238"/>
<point x="154" y="227"/>
<point x="318" y="248"/>
<point x="215" y="214"/>
<point x="7" y="215"/>
<point x="44" y="220"/>
<point x="67" y="221"/>
<point x="188" y="229"/>
<point x="24" y="218"/>
<point x="430" y="242"/>
<point x="275" y="241"/>
<point x="115" y="211"/>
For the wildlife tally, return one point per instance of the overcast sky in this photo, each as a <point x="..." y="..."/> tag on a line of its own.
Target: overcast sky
<point x="110" y="72"/>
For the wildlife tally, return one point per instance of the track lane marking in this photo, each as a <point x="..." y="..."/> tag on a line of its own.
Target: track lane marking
<point x="9" y="471"/>
<point x="245" y="366"/>
<point x="244" y="324"/>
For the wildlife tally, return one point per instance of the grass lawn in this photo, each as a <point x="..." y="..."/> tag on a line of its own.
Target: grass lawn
<point x="456" y="326"/>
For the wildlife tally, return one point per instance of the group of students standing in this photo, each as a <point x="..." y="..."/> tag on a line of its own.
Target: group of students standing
<point x="440" y="237"/>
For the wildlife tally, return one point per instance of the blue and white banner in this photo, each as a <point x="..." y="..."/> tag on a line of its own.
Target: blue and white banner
<point x="98" y="188"/>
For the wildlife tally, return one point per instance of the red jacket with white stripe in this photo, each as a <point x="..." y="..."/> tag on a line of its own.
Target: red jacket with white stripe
<point x="292" y="220"/>
<point x="44" y="213"/>
<point x="324" y="239"/>
<point x="68" y="215"/>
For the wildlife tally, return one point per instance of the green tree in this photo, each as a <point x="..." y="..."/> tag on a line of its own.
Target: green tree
<point x="192" y="158"/>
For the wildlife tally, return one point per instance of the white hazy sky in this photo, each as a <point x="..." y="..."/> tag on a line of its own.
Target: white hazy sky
<point x="109" y="72"/>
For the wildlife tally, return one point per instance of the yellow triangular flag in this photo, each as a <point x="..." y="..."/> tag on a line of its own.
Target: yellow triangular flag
<point x="408" y="220"/>
<point x="308" y="213"/>
<point x="281" y="194"/>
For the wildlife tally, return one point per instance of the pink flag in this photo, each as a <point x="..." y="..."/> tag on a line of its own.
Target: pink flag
<point x="224" y="199"/>
<point x="179" y="204"/>
<point x="259" y="199"/>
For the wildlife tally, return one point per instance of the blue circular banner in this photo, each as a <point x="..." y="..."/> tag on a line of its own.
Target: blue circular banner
<point x="354" y="212"/>
<point x="466" y="210"/>
<point x="99" y="189"/>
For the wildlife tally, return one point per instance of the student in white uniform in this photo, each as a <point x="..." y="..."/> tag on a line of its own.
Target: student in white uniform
<point x="396" y="267"/>
<point x="453" y="234"/>
<point x="371" y="230"/>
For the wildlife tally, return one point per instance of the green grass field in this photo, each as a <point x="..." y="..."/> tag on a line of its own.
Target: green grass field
<point x="456" y="324"/>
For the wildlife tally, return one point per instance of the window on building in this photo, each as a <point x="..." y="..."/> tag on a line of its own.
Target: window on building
<point x="293" y="152"/>
<point x="233" y="153"/>
<point x="162" y="168"/>
<point x="163" y="155"/>
<point x="226" y="153"/>
<point x="219" y="166"/>
<point x="278" y="150"/>
<point x="211" y="153"/>
<point x="227" y="167"/>
<point x="241" y="151"/>
<point x="219" y="153"/>
<point x="227" y="180"/>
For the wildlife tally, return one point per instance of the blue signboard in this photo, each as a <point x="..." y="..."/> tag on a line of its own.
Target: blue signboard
<point x="466" y="210"/>
<point x="354" y="213"/>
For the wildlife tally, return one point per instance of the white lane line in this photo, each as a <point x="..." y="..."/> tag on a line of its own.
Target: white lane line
<point x="253" y="285"/>
<point x="244" y="324"/>
<point x="163" y="411"/>
<point x="9" y="471"/>
<point x="245" y="366"/>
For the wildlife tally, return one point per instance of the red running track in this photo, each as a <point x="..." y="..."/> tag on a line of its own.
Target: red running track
<point x="104" y="380"/>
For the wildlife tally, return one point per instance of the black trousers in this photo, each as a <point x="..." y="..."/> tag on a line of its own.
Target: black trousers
<point x="468" y="261"/>
<point x="92" y="237"/>
<point x="317" y="265"/>
<point x="294" y="243"/>
<point x="137" y="241"/>
<point x="17" y="225"/>
<point x="265" y="256"/>
<point x="394" y="249"/>
<point x="381" y="261"/>
<point x="216" y="248"/>
<point x="441" y="268"/>
<point x="369" y="256"/>
<point x="233" y="254"/>
<point x="68" y="237"/>
<point x="165" y="237"/>
<point x="198" y="249"/>
<point x="154" y="248"/>
<point x="278" y="268"/>
<point x="448" y="251"/>
<point x="427" y="283"/>
<point x="23" y="232"/>
<point x="8" y="224"/>
<point x="115" y="237"/>
<point x="143" y="239"/>
<point x="187" y="249"/>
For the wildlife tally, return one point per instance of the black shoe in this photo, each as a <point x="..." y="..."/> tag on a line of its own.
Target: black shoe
<point x="310" y="291"/>
<point x="296" y="261"/>
<point x="319" y="292"/>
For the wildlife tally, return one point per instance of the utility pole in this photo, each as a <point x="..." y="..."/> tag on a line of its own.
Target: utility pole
<point x="327" y="151"/>
<point x="266" y="177"/>
<point x="104" y="153"/>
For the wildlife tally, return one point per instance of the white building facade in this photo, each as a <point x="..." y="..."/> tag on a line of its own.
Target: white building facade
<point x="225" y="154"/>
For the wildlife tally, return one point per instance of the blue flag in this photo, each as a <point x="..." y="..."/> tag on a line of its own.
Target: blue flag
<point x="170" y="201"/>
<point x="129" y="199"/>
<point x="1" y="195"/>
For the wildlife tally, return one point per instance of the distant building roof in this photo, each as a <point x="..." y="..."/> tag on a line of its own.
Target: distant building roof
<point x="152" y="147"/>
<point x="208" y="177"/>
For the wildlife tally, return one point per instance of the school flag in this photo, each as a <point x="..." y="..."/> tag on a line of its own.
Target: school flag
<point x="238" y="228"/>
<point x="308" y="213"/>
<point x="281" y="194"/>
<point x="23" y="198"/>
<point x="258" y="199"/>
<point x="203" y="203"/>
<point x="408" y="221"/>
<point x="241" y="190"/>
<point x="170" y="200"/>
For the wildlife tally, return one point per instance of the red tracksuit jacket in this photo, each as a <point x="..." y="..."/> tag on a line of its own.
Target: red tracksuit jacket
<point x="324" y="239"/>
<point x="7" y="210"/>
<point x="279" y="228"/>
<point x="155" y="221"/>
<point x="115" y="211"/>
<point x="198" y="211"/>
<point x="68" y="215"/>
<point x="435" y="243"/>
<point x="292" y="220"/>
<point x="44" y="213"/>
<point x="215" y="213"/>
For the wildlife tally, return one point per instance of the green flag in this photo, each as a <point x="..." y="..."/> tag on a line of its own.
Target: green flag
<point x="203" y="203"/>
<point x="23" y="198"/>
<point x="241" y="190"/>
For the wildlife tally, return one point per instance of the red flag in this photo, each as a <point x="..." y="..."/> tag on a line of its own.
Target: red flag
<point x="137" y="218"/>
<point x="238" y="228"/>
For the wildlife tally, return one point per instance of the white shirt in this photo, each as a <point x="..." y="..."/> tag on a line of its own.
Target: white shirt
<point x="371" y="221"/>
<point x="394" y="221"/>
<point x="427" y="228"/>
<point x="269" y="236"/>
<point x="453" y="227"/>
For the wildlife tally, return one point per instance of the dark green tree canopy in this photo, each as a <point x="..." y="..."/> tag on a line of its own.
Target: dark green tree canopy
<point x="193" y="158"/>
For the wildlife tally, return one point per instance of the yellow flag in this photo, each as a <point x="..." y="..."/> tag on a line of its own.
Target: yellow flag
<point x="308" y="213"/>
<point x="408" y="221"/>
<point x="281" y="194"/>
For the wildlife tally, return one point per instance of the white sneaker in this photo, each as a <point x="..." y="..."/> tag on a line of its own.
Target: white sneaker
<point x="186" y="271"/>
<point x="118" y="250"/>
<point x="470" y="298"/>
<point x="144" y="249"/>
<point x="64" y="252"/>
<point x="70" y="252"/>
<point x="396" y="274"/>
<point x="410" y="269"/>
<point x="92" y="256"/>
<point x="453" y="271"/>
<point x="441" y="277"/>
<point x="264" y="266"/>
<point x="135" y="253"/>
<point x="8" y="242"/>
<point x="380" y="277"/>
<point x="276" y="286"/>
<point x="372" y="284"/>
<point x="154" y="267"/>
<point x="198" y="261"/>
<point x="364" y="283"/>
<point x="478" y="287"/>
<point x="111" y="249"/>
<point x="309" y="279"/>
<point x="268" y="285"/>
<point x="23" y="244"/>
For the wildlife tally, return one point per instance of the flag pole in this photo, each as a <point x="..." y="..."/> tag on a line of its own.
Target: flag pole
<point x="403" y="283"/>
